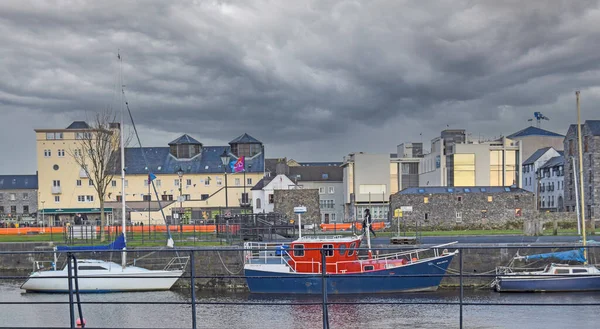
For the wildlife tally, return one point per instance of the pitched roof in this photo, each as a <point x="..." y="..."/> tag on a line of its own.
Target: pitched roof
<point x="319" y="164"/>
<point x="185" y="139"/>
<point x="593" y="126"/>
<point x="245" y="139"/>
<point x="78" y="125"/>
<point x="317" y="174"/>
<point x="556" y="161"/>
<point x="465" y="189"/>
<point x="536" y="155"/>
<point x="259" y="186"/>
<point x="18" y="182"/>
<point x="160" y="161"/>
<point x="534" y="131"/>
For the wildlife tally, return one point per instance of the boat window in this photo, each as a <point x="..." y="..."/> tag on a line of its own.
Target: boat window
<point x="351" y="249"/>
<point x="342" y="249"/>
<point x="580" y="270"/>
<point x="368" y="267"/>
<point x="561" y="271"/>
<point x="328" y="248"/>
<point x="299" y="250"/>
<point x="90" y="268"/>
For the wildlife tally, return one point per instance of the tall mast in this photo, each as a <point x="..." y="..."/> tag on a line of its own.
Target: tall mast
<point x="581" y="178"/>
<point x="121" y="133"/>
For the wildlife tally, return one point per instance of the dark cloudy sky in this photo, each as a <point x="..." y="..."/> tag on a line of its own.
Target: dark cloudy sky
<point x="313" y="80"/>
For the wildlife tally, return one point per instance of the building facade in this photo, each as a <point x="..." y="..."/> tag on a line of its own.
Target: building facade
<point x="464" y="207"/>
<point x="533" y="139"/>
<point x="552" y="184"/>
<point x="18" y="197"/>
<point x="189" y="177"/>
<point x="328" y="180"/>
<point x="590" y="132"/>
<point x="454" y="161"/>
<point x="263" y="193"/>
<point x="532" y="164"/>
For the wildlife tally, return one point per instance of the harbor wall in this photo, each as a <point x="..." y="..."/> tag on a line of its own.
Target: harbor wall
<point x="216" y="268"/>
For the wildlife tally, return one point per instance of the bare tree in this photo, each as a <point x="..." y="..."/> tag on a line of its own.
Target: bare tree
<point x="97" y="153"/>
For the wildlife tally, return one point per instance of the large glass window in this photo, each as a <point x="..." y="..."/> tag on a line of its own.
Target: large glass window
<point x="464" y="169"/>
<point x="495" y="168"/>
<point x="510" y="165"/>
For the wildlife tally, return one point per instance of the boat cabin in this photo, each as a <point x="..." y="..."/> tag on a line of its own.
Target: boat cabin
<point x="305" y="253"/>
<point x="570" y="269"/>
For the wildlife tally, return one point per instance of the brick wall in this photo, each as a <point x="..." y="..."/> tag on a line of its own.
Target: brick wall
<point x="467" y="210"/>
<point x="286" y="200"/>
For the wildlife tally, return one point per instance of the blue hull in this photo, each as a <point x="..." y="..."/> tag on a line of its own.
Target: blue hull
<point x="549" y="284"/>
<point x="373" y="282"/>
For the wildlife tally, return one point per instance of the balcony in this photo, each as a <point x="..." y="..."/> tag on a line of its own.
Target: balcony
<point x="245" y="203"/>
<point x="56" y="190"/>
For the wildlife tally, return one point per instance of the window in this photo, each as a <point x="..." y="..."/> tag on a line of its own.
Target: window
<point x="368" y="267"/>
<point x="351" y="249"/>
<point x="426" y="216"/>
<point x="57" y="198"/>
<point x="126" y="183"/>
<point x="89" y="198"/>
<point x="186" y="197"/>
<point x="13" y="209"/>
<point x="1" y="209"/>
<point x="258" y="205"/>
<point x="516" y="198"/>
<point x="425" y="199"/>
<point x="92" y="268"/>
<point x="56" y="183"/>
<point x="219" y="181"/>
<point x="80" y="198"/>
<point x="1" y="196"/>
<point x="146" y="197"/>
<point x="333" y="217"/>
<point x="342" y="249"/>
<point x="61" y="153"/>
<point x="245" y="200"/>
<point x="585" y="143"/>
<point x="328" y="249"/>
<point x="204" y="197"/>
<point x="146" y="183"/>
<point x="459" y="216"/>
<point x="175" y="182"/>
<point x="236" y="182"/>
<point x="47" y="153"/>
<point x="326" y="204"/>
<point x="77" y="152"/>
<point x="167" y="197"/>
<point x="298" y="250"/>
<point x="113" y="183"/>
<point x="188" y="182"/>
<point x="459" y="198"/>
<point x="84" y="135"/>
<point x="271" y="198"/>
<point x="12" y="197"/>
<point x="561" y="271"/>
<point x="321" y="190"/>
<point x="207" y="181"/>
<point x="158" y="183"/>
<point x="579" y="270"/>
<point x="518" y="212"/>
<point x="54" y="135"/>
<point x="248" y="181"/>
<point x="464" y="169"/>
<point x="25" y="209"/>
<point x="484" y="213"/>
<point x="119" y="198"/>
<point x="78" y="183"/>
<point x="490" y="198"/>
<point x="25" y="196"/>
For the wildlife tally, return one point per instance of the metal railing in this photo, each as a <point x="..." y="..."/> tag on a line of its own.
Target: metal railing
<point x="191" y="276"/>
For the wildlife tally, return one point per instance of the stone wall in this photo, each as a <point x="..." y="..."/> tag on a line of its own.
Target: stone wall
<point x="286" y="200"/>
<point x="31" y="201"/>
<point x="466" y="210"/>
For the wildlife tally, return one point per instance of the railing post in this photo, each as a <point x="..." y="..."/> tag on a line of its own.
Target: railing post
<point x="70" y="278"/>
<point x="193" y="288"/>
<point x="460" y="298"/>
<point x="324" y="289"/>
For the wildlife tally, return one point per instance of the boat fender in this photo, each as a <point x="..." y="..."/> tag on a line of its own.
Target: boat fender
<point x="80" y="323"/>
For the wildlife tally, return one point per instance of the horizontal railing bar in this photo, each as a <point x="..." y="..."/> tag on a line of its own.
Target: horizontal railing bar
<point x="306" y="303"/>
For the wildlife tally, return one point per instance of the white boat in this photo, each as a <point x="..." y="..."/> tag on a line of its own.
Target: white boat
<point x="101" y="276"/>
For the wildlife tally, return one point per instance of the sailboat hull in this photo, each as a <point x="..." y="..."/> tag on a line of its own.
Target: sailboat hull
<point x="540" y="283"/>
<point x="110" y="279"/>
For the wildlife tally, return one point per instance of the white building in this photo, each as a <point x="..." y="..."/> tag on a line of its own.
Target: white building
<point x="532" y="164"/>
<point x="262" y="195"/>
<point x="329" y="181"/>
<point x="552" y="184"/>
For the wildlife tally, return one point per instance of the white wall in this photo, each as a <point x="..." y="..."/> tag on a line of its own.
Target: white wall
<point x="280" y="182"/>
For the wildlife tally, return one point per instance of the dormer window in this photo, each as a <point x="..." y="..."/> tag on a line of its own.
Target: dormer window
<point x="185" y="147"/>
<point x="245" y="146"/>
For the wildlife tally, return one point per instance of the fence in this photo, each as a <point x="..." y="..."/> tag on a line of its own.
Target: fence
<point x="76" y="307"/>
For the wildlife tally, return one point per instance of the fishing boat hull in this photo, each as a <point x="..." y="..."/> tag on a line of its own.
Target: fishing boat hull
<point x="546" y="283"/>
<point x="420" y="276"/>
<point x="111" y="279"/>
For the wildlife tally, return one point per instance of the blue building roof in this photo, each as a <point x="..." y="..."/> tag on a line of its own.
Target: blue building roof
<point x="245" y="139"/>
<point x="536" y="155"/>
<point x="593" y="126"/>
<point x="466" y="189"/>
<point x="185" y="139"/>
<point x="556" y="161"/>
<point x="78" y="125"/>
<point x="534" y="131"/>
<point x="160" y="161"/>
<point x="320" y="164"/>
<point x="18" y="182"/>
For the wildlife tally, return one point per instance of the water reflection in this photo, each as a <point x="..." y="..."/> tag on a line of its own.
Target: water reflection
<point x="299" y="316"/>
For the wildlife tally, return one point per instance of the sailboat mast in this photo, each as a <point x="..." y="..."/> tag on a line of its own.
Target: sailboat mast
<point x="122" y="147"/>
<point x="581" y="177"/>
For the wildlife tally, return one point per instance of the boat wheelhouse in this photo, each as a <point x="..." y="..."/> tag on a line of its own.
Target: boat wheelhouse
<point x="297" y="268"/>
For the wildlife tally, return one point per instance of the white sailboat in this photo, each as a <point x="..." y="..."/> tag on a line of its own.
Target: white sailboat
<point x="104" y="276"/>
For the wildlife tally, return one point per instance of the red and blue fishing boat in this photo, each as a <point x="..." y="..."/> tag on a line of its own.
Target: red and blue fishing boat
<point x="296" y="268"/>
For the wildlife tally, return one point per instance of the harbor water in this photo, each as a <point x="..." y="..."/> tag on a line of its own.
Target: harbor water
<point x="385" y="315"/>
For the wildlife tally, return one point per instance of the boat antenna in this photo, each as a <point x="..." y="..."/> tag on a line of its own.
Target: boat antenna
<point x="582" y="209"/>
<point x="123" y="211"/>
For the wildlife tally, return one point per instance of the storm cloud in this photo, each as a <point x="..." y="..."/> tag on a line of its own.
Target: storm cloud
<point x="313" y="80"/>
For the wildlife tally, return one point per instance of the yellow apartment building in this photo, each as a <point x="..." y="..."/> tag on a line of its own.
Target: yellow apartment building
<point x="191" y="181"/>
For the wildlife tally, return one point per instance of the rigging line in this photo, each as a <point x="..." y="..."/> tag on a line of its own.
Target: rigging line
<point x="148" y="166"/>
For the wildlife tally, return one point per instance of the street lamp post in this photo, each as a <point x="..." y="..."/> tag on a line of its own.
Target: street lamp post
<point x="225" y="161"/>
<point x="43" y="211"/>
<point x="180" y="174"/>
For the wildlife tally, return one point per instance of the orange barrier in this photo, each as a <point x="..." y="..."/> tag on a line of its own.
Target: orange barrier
<point x="178" y="228"/>
<point x="348" y="226"/>
<point x="31" y="230"/>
